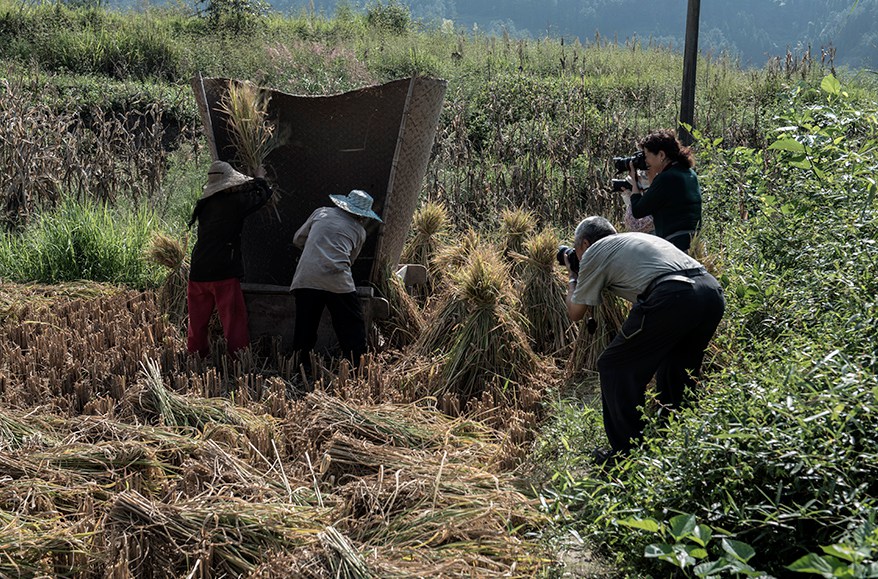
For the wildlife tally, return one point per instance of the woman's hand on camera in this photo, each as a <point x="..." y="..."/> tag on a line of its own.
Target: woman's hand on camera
<point x="632" y="177"/>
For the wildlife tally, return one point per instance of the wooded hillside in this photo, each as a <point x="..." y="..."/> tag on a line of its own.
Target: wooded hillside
<point x="753" y="30"/>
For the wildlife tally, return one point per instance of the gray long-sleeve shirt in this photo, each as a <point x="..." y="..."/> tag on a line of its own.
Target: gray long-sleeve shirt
<point x="331" y="240"/>
<point x="625" y="264"/>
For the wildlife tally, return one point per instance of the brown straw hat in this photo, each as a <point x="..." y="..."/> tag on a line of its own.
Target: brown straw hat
<point x="222" y="176"/>
<point x="357" y="202"/>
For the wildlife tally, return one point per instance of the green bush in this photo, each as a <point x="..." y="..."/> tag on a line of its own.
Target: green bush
<point x="781" y="450"/>
<point x="391" y="16"/>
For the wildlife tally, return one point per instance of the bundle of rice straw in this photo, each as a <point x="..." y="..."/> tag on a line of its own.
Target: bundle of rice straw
<point x="588" y="347"/>
<point x="429" y="224"/>
<point x="543" y="295"/>
<point x="450" y="257"/>
<point x="36" y="547"/>
<point x="171" y="254"/>
<point x="227" y="536"/>
<point x="405" y="322"/>
<point x="253" y="135"/>
<point x="153" y="399"/>
<point x="515" y="226"/>
<point x="478" y="332"/>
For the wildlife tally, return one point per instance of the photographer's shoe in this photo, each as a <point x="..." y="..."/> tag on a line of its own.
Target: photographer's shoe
<point x="603" y="457"/>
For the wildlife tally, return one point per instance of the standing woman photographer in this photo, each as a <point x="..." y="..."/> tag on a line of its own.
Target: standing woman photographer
<point x="673" y="197"/>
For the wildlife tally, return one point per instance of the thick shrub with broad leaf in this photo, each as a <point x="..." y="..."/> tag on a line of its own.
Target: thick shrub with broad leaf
<point x="781" y="449"/>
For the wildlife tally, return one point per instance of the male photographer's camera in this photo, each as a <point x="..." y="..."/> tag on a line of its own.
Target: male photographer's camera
<point x="621" y="163"/>
<point x="571" y="257"/>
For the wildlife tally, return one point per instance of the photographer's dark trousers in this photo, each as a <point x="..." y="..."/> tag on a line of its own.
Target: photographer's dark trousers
<point x="347" y="321"/>
<point x="665" y="336"/>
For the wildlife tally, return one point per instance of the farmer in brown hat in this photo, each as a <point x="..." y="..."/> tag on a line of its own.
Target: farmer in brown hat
<point x="217" y="265"/>
<point x="331" y="240"/>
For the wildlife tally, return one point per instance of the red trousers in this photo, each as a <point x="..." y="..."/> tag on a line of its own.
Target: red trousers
<point x="226" y="296"/>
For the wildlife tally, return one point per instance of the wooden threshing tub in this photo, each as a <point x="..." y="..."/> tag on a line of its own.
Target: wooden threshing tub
<point x="377" y="139"/>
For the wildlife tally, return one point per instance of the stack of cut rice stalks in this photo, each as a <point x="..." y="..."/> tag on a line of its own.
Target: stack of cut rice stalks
<point x="430" y="225"/>
<point x="358" y="490"/>
<point x="543" y="295"/>
<point x="476" y="334"/>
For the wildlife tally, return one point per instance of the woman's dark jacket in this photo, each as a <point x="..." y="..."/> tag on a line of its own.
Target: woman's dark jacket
<point x="217" y="252"/>
<point x="673" y="199"/>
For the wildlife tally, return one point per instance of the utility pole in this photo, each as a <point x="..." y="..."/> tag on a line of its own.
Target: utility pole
<point x="690" y="56"/>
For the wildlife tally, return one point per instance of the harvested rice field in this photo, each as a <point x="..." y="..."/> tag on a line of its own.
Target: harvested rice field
<point x="122" y="457"/>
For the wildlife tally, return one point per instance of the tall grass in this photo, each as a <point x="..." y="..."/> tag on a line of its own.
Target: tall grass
<point x="82" y="241"/>
<point x="527" y="123"/>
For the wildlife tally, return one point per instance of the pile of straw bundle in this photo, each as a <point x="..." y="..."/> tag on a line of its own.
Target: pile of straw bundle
<point x="543" y="295"/>
<point x="253" y="134"/>
<point x="478" y="332"/>
<point x="423" y="503"/>
<point x="174" y="484"/>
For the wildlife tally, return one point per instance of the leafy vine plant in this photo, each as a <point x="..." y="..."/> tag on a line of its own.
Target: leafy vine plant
<point x="698" y="550"/>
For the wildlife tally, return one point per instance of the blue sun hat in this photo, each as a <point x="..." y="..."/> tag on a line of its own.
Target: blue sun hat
<point x="357" y="202"/>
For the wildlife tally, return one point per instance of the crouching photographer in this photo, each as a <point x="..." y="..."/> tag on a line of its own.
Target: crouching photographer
<point x="673" y="197"/>
<point x="677" y="306"/>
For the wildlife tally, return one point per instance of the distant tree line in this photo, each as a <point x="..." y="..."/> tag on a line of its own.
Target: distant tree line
<point x="750" y="30"/>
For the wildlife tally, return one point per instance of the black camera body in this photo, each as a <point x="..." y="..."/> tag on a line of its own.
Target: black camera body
<point x="638" y="158"/>
<point x="621" y="185"/>
<point x="571" y="257"/>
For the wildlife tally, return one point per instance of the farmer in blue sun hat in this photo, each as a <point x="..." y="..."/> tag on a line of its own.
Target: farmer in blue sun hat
<point x="331" y="239"/>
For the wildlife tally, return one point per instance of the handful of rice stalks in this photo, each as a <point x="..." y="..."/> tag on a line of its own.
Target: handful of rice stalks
<point x="252" y="133"/>
<point x="169" y="252"/>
